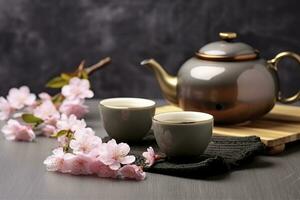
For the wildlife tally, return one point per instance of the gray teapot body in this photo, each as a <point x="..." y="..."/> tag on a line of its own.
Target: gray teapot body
<point x="231" y="91"/>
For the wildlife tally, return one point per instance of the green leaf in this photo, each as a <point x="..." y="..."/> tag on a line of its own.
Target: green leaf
<point x="60" y="133"/>
<point x="31" y="119"/>
<point x="57" y="82"/>
<point x="65" y="76"/>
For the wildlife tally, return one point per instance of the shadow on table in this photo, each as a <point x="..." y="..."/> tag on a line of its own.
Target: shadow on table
<point x="261" y="162"/>
<point x="258" y="162"/>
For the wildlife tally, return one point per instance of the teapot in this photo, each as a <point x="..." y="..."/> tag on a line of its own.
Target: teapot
<point x="227" y="79"/>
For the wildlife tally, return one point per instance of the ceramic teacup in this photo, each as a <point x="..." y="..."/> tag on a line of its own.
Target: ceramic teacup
<point x="127" y="119"/>
<point x="183" y="134"/>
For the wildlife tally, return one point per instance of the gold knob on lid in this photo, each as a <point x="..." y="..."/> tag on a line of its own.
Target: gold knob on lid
<point x="227" y="35"/>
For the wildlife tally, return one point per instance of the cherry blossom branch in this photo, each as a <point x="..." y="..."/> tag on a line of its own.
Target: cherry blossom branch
<point x="80" y="151"/>
<point x="100" y="64"/>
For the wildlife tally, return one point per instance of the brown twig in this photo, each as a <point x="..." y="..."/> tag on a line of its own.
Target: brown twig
<point x="101" y="63"/>
<point x="81" y="65"/>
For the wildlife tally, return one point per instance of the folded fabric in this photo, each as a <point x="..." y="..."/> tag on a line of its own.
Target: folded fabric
<point x="222" y="155"/>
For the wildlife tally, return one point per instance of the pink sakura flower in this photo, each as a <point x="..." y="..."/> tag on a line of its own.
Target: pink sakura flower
<point x="18" y="98"/>
<point x="17" y="115"/>
<point x="13" y="130"/>
<point x="49" y="127"/>
<point x="132" y="172"/>
<point x="46" y="111"/>
<point x="116" y="154"/>
<point x="98" y="150"/>
<point x="44" y="96"/>
<point x="44" y="129"/>
<point x="26" y="109"/>
<point x="5" y="109"/>
<point x="70" y="123"/>
<point x="49" y="130"/>
<point x="73" y="107"/>
<point x="78" y="164"/>
<point x="85" y="141"/>
<point x="77" y="89"/>
<point x="57" y="161"/>
<point x="149" y="156"/>
<point x="102" y="170"/>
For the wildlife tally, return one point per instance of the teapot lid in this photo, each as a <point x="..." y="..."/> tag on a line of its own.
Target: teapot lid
<point x="227" y="49"/>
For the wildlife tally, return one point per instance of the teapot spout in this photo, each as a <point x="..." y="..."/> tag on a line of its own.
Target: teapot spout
<point x="167" y="83"/>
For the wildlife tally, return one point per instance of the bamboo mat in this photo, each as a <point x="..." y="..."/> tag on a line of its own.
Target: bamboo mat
<point x="280" y="126"/>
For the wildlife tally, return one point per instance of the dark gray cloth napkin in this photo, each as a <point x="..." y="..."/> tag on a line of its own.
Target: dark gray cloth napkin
<point x="222" y="155"/>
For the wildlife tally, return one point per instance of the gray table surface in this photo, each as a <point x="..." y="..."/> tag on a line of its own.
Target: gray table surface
<point x="23" y="176"/>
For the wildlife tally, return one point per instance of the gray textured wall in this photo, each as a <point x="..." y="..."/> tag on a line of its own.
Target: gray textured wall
<point x="38" y="39"/>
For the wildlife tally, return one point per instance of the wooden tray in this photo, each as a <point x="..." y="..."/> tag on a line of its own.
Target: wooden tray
<point x="280" y="126"/>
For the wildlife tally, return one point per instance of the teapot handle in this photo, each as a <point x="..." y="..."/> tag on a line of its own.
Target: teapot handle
<point x="274" y="64"/>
